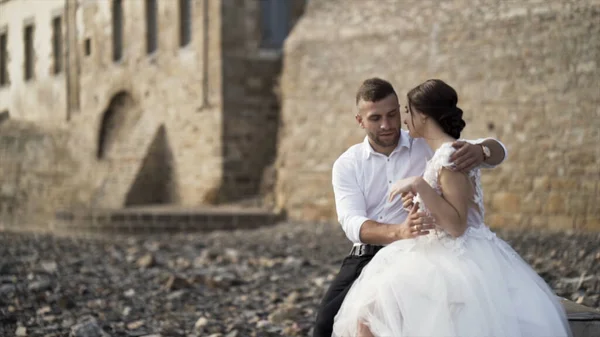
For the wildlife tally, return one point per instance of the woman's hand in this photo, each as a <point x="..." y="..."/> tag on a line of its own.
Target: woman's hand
<point x="407" y="200"/>
<point x="402" y="186"/>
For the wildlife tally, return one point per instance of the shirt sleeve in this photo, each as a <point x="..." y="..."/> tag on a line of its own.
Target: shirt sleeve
<point x="481" y="140"/>
<point x="349" y="200"/>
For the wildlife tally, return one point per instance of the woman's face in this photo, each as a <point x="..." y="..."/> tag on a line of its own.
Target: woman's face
<point x="413" y="120"/>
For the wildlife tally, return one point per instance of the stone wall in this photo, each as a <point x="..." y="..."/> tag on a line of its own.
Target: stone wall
<point x="123" y="115"/>
<point x="35" y="175"/>
<point x="250" y="102"/>
<point x="178" y="87"/>
<point x="41" y="98"/>
<point x="526" y="73"/>
<point x="188" y="124"/>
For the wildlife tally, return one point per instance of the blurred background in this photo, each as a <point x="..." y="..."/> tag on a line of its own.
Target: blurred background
<point x="161" y="115"/>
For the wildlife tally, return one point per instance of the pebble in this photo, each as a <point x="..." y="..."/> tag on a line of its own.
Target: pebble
<point x="201" y="323"/>
<point x="21" y="331"/>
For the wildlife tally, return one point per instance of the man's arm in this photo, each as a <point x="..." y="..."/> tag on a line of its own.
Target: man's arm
<point x="469" y="154"/>
<point x="377" y="233"/>
<point x="351" y="209"/>
<point x="349" y="200"/>
<point x="416" y="224"/>
<point x="497" y="149"/>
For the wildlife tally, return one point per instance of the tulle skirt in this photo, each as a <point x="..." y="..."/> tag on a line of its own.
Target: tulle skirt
<point x="438" y="286"/>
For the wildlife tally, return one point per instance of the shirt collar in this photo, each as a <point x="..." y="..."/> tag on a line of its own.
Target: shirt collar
<point x="405" y="141"/>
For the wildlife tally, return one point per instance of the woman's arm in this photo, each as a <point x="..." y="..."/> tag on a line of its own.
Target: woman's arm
<point x="450" y="209"/>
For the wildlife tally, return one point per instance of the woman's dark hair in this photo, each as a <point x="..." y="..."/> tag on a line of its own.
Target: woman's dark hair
<point x="437" y="100"/>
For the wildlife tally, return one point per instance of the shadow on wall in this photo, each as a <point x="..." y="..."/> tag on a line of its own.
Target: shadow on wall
<point x="154" y="183"/>
<point x="152" y="180"/>
<point x="4" y="115"/>
<point x="135" y="176"/>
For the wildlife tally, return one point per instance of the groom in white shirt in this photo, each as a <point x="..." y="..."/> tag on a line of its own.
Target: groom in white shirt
<point x="361" y="178"/>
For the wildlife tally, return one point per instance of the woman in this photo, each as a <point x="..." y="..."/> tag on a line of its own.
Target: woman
<point x="459" y="280"/>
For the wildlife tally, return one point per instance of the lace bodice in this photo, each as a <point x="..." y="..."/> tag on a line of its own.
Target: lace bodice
<point x="476" y="212"/>
<point x="441" y="159"/>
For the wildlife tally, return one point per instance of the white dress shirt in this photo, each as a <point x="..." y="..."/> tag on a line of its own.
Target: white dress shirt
<point x="362" y="178"/>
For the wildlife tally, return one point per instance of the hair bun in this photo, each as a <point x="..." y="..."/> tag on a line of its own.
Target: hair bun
<point x="452" y="123"/>
<point x="438" y="100"/>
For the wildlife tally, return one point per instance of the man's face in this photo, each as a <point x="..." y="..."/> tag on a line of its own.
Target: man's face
<point x="381" y="121"/>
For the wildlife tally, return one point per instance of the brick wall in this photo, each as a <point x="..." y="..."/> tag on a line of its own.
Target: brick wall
<point x="526" y="73"/>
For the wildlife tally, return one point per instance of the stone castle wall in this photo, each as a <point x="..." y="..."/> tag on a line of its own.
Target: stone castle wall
<point x="37" y="165"/>
<point x="186" y="125"/>
<point x="41" y="98"/>
<point x="527" y="73"/>
<point x="250" y="99"/>
<point x="130" y="112"/>
<point x="170" y="86"/>
<point x="35" y="175"/>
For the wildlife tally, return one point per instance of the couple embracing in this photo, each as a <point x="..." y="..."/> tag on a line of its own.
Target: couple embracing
<point x="423" y="261"/>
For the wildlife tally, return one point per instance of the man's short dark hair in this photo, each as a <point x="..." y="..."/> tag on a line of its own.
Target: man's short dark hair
<point x="374" y="89"/>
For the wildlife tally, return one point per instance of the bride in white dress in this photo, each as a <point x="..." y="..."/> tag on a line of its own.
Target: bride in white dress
<point x="460" y="279"/>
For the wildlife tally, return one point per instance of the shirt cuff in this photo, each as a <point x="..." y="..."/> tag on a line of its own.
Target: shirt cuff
<point x="352" y="227"/>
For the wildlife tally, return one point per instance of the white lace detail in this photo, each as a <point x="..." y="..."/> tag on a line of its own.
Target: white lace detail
<point x="475" y="218"/>
<point x="440" y="159"/>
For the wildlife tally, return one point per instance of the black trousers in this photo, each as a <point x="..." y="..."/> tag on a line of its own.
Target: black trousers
<point x="332" y="301"/>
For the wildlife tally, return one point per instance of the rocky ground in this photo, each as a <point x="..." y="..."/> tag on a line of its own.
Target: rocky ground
<point x="266" y="282"/>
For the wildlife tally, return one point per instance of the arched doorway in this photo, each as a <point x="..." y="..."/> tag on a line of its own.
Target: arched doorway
<point x="119" y="117"/>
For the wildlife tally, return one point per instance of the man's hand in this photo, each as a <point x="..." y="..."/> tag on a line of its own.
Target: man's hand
<point x="467" y="156"/>
<point x="416" y="224"/>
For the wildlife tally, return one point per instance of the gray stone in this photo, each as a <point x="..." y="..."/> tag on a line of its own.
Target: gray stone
<point x="49" y="266"/>
<point x="88" y="327"/>
<point x="584" y="321"/>
<point x="7" y="289"/>
<point x="40" y="285"/>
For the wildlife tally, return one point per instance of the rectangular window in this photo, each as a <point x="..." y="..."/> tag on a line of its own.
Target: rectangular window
<point x="275" y="15"/>
<point x="57" y="44"/>
<point x="151" y="26"/>
<point x="117" y="27"/>
<point x="185" y="22"/>
<point x="28" y="37"/>
<point x="3" y="59"/>
<point x="88" y="47"/>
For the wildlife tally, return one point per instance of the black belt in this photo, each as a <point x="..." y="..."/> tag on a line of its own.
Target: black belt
<point x="364" y="250"/>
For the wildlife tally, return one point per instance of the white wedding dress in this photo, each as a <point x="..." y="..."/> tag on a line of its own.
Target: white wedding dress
<point x="435" y="285"/>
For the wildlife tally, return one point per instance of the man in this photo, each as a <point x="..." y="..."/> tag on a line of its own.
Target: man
<point x="361" y="179"/>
